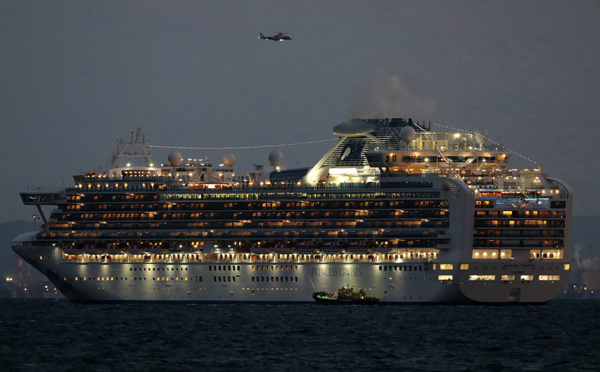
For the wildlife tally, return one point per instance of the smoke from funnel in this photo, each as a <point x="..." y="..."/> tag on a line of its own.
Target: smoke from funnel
<point x="386" y="96"/>
<point x="589" y="268"/>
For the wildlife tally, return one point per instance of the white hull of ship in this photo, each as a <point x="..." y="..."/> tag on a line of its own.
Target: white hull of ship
<point x="278" y="282"/>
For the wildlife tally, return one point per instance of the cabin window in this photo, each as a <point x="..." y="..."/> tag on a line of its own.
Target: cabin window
<point x="549" y="277"/>
<point x="482" y="277"/>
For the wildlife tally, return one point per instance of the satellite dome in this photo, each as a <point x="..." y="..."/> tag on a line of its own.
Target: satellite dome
<point x="407" y="133"/>
<point x="175" y="158"/>
<point x="229" y="161"/>
<point x="275" y="158"/>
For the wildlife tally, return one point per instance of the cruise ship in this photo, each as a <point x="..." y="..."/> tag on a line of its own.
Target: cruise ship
<point x="406" y="213"/>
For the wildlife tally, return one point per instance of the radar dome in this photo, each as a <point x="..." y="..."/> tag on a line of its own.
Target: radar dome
<point x="407" y="133"/>
<point x="175" y="158"/>
<point x="229" y="161"/>
<point x="275" y="158"/>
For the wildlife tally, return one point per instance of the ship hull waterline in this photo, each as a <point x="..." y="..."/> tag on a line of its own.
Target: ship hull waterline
<point x="166" y="282"/>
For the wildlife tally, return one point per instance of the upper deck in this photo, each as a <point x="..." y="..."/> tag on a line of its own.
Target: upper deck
<point x="366" y="155"/>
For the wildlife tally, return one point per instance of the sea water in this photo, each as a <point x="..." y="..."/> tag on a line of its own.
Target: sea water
<point x="56" y="335"/>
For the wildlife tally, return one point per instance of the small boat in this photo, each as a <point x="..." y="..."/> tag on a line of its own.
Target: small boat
<point x="344" y="296"/>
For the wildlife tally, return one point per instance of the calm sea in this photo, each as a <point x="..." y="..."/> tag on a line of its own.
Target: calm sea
<point x="56" y="335"/>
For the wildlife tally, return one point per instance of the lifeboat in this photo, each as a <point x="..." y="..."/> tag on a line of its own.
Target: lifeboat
<point x="138" y="248"/>
<point x="116" y="248"/>
<point x="245" y="248"/>
<point x="283" y="248"/>
<point x="92" y="248"/>
<point x="258" y="248"/>
<point x="74" y="248"/>
<point x="334" y="247"/>
<point x="159" y="248"/>
<point x="385" y="247"/>
<point x="360" y="247"/>
<point x="307" y="247"/>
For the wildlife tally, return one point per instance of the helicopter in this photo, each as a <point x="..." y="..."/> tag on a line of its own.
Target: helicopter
<point x="277" y="37"/>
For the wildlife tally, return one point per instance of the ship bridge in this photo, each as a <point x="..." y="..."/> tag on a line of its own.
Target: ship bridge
<point x="43" y="197"/>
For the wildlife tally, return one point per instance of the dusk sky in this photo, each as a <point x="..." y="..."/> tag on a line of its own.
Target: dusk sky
<point x="77" y="75"/>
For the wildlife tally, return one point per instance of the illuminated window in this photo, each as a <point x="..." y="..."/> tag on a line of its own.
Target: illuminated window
<point x="485" y="254"/>
<point x="507" y="277"/>
<point x="445" y="277"/>
<point x="446" y="266"/>
<point x="527" y="277"/>
<point x="482" y="277"/>
<point x="555" y="254"/>
<point x="549" y="277"/>
<point x="464" y="266"/>
<point x="567" y="267"/>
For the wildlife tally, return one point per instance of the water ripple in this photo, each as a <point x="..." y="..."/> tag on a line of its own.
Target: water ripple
<point x="44" y="335"/>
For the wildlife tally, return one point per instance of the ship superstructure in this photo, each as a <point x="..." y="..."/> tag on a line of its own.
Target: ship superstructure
<point x="404" y="212"/>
